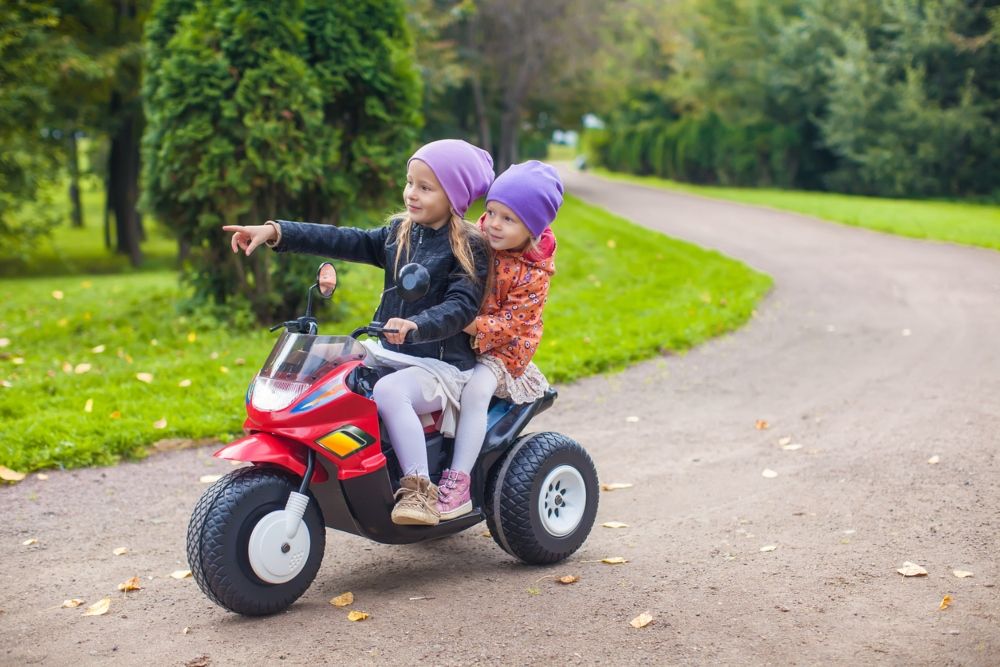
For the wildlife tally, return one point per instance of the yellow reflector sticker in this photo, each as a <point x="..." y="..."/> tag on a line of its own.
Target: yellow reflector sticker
<point x="345" y="440"/>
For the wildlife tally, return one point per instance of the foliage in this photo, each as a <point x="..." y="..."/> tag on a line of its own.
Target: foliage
<point x="602" y="314"/>
<point x="255" y="110"/>
<point x="896" y="98"/>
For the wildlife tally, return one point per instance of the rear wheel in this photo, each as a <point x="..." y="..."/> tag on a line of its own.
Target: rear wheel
<point x="542" y="499"/>
<point x="237" y="547"/>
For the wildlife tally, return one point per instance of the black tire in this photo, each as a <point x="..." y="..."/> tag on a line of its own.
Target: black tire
<point x="512" y="498"/>
<point x="219" y="534"/>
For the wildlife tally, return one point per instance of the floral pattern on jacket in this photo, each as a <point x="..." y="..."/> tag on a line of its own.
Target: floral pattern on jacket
<point x="509" y="323"/>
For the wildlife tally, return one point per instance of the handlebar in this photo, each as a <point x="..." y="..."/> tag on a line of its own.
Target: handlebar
<point x="376" y="329"/>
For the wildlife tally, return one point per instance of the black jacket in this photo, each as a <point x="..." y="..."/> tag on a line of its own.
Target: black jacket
<point x="452" y="301"/>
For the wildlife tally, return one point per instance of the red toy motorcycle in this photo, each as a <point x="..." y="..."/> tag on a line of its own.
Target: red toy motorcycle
<point x="320" y="458"/>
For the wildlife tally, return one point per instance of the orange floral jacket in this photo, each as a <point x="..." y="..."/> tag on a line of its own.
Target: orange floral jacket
<point x="510" y="321"/>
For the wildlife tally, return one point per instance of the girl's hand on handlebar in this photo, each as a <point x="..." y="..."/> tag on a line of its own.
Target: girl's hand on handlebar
<point x="250" y="237"/>
<point x="402" y="327"/>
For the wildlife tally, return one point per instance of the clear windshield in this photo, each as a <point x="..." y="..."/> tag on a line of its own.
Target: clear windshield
<point x="296" y="362"/>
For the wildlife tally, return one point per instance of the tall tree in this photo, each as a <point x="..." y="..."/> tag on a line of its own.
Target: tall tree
<point x="257" y="110"/>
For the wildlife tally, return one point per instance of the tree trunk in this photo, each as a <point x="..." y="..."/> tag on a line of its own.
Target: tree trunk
<point x="76" y="208"/>
<point x="482" y="115"/>
<point x="123" y="180"/>
<point x="509" y="129"/>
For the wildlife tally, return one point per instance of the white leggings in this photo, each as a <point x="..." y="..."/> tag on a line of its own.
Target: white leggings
<point x="472" y="419"/>
<point x="400" y="400"/>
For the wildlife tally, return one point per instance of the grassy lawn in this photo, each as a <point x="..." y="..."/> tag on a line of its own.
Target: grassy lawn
<point x="969" y="224"/>
<point x="75" y="350"/>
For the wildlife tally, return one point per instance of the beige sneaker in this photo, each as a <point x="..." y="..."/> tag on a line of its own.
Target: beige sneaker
<point x="417" y="502"/>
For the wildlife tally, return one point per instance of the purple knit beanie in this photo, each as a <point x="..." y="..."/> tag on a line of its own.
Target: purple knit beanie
<point x="533" y="191"/>
<point x="464" y="171"/>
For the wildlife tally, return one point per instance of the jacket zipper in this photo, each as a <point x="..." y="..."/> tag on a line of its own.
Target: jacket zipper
<point x="441" y="351"/>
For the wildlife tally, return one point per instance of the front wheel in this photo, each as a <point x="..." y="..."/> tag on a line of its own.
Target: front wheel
<point x="542" y="499"/>
<point x="237" y="547"/>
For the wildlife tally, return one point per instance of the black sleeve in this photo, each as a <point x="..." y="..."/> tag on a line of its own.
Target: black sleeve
<point x="460" y="305"/>
<point x="354" y="245"/>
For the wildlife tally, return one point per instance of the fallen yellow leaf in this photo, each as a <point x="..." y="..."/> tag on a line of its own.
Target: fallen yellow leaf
<point x="8" y="475"/>
<point x="961" y="574"/>
<point x="209" y="479"/>
<point x="343" y="600"/>
<point x="945" y="602"/>
<point x="614" y="560"/>
<point x="768" y="473"/>
<point x="611" y="243"/>
<point x="485" y="533"/>
<point x="4" y="342"/>
<point x="63" y="323"/>
<point x="160" y="423"/>
<point x="115" y="415"/>
<point x="144" y="377"/>
<point x="130" y="585"/>
<point x="615" y="486"/>
<point x="98" y="349"/>
<point x="614" y="524"/>
<point x="934" y="459"/>
<point x="28" y="542"/>
<point x="641" y="621"/>
<point x="569" y="579"/>
<point x="192" y="337"/>
<point x="761" y="425"/>
<point x="357" y="616"/>
<point x="120" y="551"/>
<point x="17" y="361"/>
<point x="180" y="574"/>
<point x="99" y="608"/>
<point x="912" y="570"/>
<point x="784" y="441"/>
<point x="240" y="361"/>
<point x="57" y="295"/>
<point x="89" y="405"/>
<point x="184" y="383"/>
<point x="67" y="367"/>
<point x="223" y="369"/>
<point x="42" y="476"/>
<point x="186" y="630"/>
<point x="72" y="604"/>
<point x="769" y="547"/>
<point x="80" y="369"/>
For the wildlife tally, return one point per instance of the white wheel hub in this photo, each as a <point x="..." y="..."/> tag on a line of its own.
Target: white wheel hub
<point x="562" y="500"/>
<point x="274" y="556"/>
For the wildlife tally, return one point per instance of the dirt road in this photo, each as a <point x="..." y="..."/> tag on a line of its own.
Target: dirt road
<point x="874" y="353"/>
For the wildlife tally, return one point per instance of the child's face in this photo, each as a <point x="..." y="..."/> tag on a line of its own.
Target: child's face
<point x="504" y="230"/>
<point x="425" y="199"/>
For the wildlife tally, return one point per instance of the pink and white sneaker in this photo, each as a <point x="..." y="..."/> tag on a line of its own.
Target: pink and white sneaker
<point x="454" y="498"/>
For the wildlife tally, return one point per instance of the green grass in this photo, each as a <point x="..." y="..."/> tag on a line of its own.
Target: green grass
<point x="75" y="251"/>
<point x="965" y="223"/>
<point x="620" y="294"/>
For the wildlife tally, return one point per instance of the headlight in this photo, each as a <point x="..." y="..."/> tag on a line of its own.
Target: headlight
<point x="272" y="395"/>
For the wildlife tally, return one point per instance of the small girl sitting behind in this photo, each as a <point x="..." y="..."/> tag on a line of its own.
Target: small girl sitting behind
<point x="520" y="206"/>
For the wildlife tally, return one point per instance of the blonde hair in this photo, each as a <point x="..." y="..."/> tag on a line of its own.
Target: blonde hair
<point x="460" y="235"/>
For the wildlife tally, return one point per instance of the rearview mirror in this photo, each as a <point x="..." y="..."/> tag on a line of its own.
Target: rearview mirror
<point x="413" y="282"/>
<point x="326" y="279"/>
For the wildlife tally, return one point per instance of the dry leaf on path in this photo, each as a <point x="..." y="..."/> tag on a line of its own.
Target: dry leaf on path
<point x="761" y="425"/>
<point x="768" y="473"/>
<point x="120" y="551"/>
<point x="42" y="476"/>
<point x="144" y="377"/>
<point x="912" y="570"/>
<point x="209" y="479"/>
<point x="614" y="524"/>
<point x="200" y="661"/>
<point x="28" y="542"/>
<point x="130" y="585"/>
<point x="632" y="419"/>
<point x="792" y="447"/>
<point x="945" y="602"/>
<point x="71" y="604"/>
<point x="784" y="441"/>
<point x="614" y="560"/>
<point x="934" y="459"/>
<point x="180" y="574"/>
<point x="615" y="486"/>
<point x="343" y="599"/>
<point x="357" y="616"/>
<point x="8" y="475"/>
<point x="961" y="574"/>
<point x="485" y="533"/>
<point x="99" y="608"/>
<point x="769" y="547"/>
<point x="641" y="621"/>
<point x="186" y="630"/>
<point x="568" y="579"/>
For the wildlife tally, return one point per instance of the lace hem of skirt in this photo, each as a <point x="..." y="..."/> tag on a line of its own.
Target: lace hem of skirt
<point x="529" y="387"/>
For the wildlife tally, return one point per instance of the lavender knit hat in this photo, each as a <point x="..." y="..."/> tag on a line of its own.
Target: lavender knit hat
<point x="533" y="191"/>
<point x="464" y="171"/>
